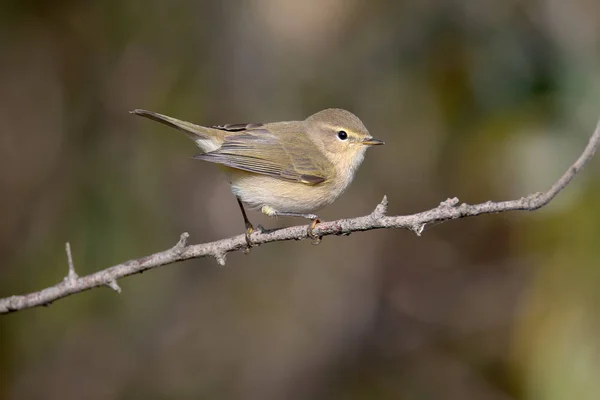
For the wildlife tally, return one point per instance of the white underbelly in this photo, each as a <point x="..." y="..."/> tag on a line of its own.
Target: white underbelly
<point x="257" y="191"/>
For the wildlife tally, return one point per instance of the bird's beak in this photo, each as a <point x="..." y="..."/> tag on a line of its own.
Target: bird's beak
<point x="372" y="142"/>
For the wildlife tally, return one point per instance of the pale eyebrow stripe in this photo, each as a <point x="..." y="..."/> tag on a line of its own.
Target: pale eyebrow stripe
<point x="341" y="128"/>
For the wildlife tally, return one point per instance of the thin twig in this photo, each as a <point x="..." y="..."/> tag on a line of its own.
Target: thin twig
<point x="447" y="210"/>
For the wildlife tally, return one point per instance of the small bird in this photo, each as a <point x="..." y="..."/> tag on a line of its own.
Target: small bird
<point x="290" y="168"/>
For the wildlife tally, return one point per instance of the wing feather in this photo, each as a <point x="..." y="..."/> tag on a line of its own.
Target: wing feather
<point x="255" y="148"/>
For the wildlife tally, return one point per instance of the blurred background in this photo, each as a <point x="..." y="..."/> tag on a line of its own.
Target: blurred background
<point x="482" y="100"/>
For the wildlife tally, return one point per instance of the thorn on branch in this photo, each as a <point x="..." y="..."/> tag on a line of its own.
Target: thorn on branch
<point x="418" y="228"/>
<point x="72" y="275"/>
<point x="221" y="259"/>
<point x="180" y="246"/>
<point x="381" y="208"/>
<point x="114" y="286"/>
<point x="450" y="202"/>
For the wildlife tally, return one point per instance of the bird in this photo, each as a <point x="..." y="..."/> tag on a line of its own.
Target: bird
<point x="288" y="168"/>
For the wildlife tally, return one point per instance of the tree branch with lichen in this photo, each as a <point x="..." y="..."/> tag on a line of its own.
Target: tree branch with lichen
<point x="447" y="210"/>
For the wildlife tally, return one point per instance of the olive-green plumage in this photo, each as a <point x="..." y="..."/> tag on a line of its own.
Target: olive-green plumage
<point x="283" y="168"/>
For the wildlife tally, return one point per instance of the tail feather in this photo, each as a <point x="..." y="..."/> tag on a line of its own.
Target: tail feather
<point x="201" y="135"/>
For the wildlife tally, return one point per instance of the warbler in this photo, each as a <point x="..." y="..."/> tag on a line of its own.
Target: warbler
<point x="290" y="168"/>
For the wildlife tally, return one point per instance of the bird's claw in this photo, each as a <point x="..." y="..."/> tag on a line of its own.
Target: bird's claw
<point x="249" y="245"/>
<point x="315" y="239"/>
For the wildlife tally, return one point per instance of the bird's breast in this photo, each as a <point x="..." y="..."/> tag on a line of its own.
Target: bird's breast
<point x="284" y="196"/>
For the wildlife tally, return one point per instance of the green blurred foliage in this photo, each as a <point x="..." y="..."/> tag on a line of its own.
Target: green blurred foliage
<point x="479" y="100"/>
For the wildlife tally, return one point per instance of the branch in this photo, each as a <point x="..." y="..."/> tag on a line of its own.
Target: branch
<point x="447" y="210"/>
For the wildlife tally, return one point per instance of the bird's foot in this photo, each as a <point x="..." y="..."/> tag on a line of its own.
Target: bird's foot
<point x="249" y="244"/>
<point x="271" y="212"/>
<point x="311" y="234"/>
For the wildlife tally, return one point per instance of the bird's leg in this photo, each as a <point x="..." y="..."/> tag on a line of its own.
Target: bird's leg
<point x="314" y="217"/>
<point x="249" y="226"/>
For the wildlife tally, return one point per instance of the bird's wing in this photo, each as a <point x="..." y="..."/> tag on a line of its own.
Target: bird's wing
<point x="255" y="148"/>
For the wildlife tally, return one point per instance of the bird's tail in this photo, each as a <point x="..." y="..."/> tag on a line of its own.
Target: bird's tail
<point x="204" y="137"/>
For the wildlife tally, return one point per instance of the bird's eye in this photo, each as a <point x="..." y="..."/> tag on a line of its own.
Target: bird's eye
<point x="342" y="135"/>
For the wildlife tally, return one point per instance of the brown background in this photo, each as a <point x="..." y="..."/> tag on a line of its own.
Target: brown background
<point x="483" y="100"/>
